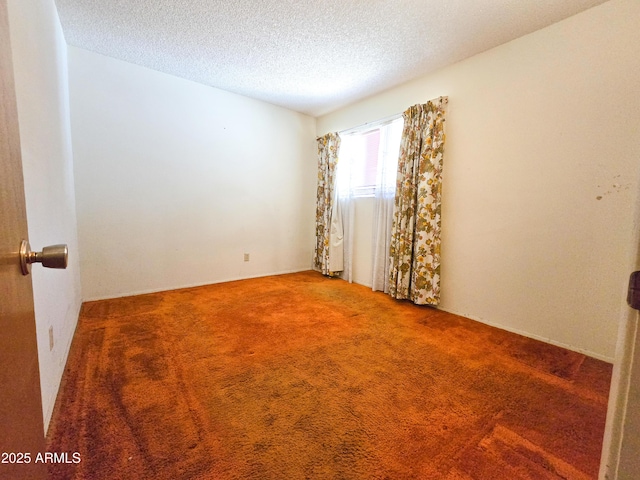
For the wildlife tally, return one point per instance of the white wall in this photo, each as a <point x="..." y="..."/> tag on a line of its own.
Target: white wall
<point x="540" y="175"/>
<point x="175" y="181"/>
<point x="40" y="65"/>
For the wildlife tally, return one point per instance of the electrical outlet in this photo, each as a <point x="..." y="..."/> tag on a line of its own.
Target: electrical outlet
<point x="51" y="338"/>
<point x="246" y="257"/>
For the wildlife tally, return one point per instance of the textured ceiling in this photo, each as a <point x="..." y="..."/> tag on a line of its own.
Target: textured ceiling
<point x="312" y="56"/>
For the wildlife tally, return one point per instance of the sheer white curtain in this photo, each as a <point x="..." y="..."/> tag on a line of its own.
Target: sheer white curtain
<point x="354" y="180"/>
<point x="345" y="196"/>
<point x="390" y="136"/>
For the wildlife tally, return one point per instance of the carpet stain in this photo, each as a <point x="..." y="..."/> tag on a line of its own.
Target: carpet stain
<point x="302" y="377"/>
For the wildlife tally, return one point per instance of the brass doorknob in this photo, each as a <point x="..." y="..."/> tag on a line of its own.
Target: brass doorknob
<point x="53" y="256"/>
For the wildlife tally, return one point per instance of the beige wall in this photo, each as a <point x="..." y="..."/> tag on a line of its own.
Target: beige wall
<point x="176" y="181"/>
<point x="42" y="92"/>
<point x="540" y="176"/>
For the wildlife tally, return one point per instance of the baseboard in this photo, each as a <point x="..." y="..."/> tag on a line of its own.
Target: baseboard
<point x="573" y="348"/>
<point x="193" y="285"/>
<point x="284" y="272"/>
<point x="47" y="416"/>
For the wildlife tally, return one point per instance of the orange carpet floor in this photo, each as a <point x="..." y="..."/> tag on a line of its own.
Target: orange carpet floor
<point x="302" y="377"/>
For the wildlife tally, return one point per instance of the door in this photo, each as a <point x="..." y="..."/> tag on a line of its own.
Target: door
<point x="21" y="423"/>
<point x="629" y="461"/>
<point x="620" y="459"/>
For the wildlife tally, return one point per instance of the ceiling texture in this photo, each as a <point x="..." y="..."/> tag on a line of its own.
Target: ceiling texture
<point x="311" y="56"/>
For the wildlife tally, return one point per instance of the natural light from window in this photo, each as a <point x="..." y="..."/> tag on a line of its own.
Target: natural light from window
<point x="368" y="160"/>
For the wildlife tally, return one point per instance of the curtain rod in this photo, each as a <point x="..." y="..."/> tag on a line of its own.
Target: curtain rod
<point x="382" y="121"/>
<point x="375" y="123"/>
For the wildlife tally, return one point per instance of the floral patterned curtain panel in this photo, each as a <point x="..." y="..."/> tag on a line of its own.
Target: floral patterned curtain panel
<point x="415" y="238"/>
<point x="328" y="147"/>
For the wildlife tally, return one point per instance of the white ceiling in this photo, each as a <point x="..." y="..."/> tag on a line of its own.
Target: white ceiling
<point x="312" y="56"/>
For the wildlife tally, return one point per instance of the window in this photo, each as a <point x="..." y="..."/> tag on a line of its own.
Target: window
<point x="368" y="159"/>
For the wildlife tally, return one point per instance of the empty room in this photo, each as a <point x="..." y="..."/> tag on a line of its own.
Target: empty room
<point x="320" y="240"/>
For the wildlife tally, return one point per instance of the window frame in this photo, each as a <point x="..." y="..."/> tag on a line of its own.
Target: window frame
<point x="362" y="191"/>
